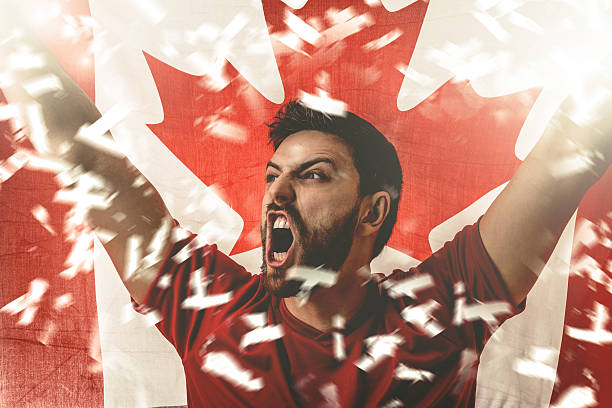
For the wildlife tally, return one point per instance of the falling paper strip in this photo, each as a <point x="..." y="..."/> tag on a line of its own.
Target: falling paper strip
<point x="378" y="347"/>
<point x="224" y="365"/>
<point x="27" y="304"/>
<point x="409" y="286"/>
<point x="323" y="103"/>
<point x="383" y="41"/>
<point x="301" y="28"/>
<point x="403" y="372"/>
<point x="43" y="85"/>
<point x="10" y="166"/>
<point x="94" y="134"/>
<point x="262" y="334"/>
<point x="421" y="316"/>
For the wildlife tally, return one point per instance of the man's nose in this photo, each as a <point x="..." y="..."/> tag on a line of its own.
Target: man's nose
<point x="281" y="191"/>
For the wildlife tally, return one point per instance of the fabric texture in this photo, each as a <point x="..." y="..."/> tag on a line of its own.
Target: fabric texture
<point x="391" y="353"/>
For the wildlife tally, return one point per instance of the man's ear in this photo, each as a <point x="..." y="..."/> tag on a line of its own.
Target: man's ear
<point x="375" y="209"/>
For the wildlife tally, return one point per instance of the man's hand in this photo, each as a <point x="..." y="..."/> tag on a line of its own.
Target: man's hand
<point x="523" y="225"/>
<point x="57" y="117"/>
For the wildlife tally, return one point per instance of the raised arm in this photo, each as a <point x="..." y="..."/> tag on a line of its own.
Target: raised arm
<point x="135" y="213"/>
<point x="523" y="225"/>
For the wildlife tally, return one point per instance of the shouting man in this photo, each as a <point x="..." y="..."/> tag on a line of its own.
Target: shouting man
<point x="316" y="328"/>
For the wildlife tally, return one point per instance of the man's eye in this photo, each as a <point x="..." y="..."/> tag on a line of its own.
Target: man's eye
<point x="312" y="175"/>
<point x="270" y="178"/>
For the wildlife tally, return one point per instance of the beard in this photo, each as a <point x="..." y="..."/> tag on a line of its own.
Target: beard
<point x="319" y="245"/>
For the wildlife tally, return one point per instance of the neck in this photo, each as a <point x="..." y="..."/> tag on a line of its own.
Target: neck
<point x="344" y="298"/>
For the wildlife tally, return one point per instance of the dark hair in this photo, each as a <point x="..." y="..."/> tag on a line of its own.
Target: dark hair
<point x="374" y="156"/>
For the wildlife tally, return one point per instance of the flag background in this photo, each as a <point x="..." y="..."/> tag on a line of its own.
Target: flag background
<point x="201" y="79"/>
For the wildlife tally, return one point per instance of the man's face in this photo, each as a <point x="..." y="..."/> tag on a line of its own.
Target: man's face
<point x="310" y="207"/>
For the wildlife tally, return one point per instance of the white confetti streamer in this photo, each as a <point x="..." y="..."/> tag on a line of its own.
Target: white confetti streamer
<point x="133" y="255"/>
<point x="421" y="316"/>
<point x="338" y="322"/>
<point x="224" y="365"/>
<point x="63" y="301"/>
<point x="538" y="364"/>
<point x="11" y="165"/>
<point x="408" y="286"/>
<point x="200" y="298"/>
<point x="37" y="128"/>
<point x="41" y="214"/>
<point x="597" y="334"/>
<point x="577" y="397"/>
<point x="261" y="335"/>
<point x="378" y="347"/>
<point x="384" y="40"/>
<point x="323" y="103"/>
<point x="25" y="60"/>
<point x="301" y="28"/>
<point x="335" y="16"/>
<point x="403" y="372"/>
<point x="346" y="29"/>
<point x="226" y="130"/>
<point x="27" y="304"/>
<point x="42" y="85"/>
<point x="93" y="134"/>
<point x="309" y="278"/>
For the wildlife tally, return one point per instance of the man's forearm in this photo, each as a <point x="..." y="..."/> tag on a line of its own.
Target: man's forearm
<point x="523" y="225"/>
<point x="133" y="212"/>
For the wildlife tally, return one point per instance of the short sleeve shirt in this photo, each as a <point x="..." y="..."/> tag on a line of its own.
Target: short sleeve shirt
<point x="415" y="342"/>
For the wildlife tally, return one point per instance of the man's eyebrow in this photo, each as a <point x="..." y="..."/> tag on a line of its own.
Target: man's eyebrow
<point x="305" y="165"/>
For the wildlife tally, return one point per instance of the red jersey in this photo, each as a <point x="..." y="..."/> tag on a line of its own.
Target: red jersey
<point x="414" y="343"/>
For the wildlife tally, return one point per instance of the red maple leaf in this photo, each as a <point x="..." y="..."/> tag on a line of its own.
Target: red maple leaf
<point x="454" y="147"/>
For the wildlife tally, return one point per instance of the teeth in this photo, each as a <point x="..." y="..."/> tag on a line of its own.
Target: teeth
<point x="279" y="256"/>
<point x="281" y="222"/>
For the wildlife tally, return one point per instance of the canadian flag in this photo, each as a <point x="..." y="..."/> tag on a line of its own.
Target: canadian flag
<point x="463" y="88"/>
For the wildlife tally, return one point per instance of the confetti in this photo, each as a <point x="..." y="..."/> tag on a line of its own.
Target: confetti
<point x="536" y="366"/>
<point x="335" y="16"/>
<point x="378" y="347"/>
<point x="225" y="366"/>
<point x="27" y="304"/>
<point x="309" y="278"/>
<point x="41" y="214"/>
<point x="11" y="165"/>
<point x="24" y="60"/>
<point x="262" y="334"/>
<point x="576" y="397"/>
<point x="47" y="332"/>
<point x="93" y="134"/>
<point x="226" y="130"/>
<point x="384" y="40"/>
<point x="37" y="129"/>
<point x="338" y="322"/>
<point x="340" y="31"/>
<point x="200" y="299"/>
<point x="63" y="301"/>
<point x="409" y="286"/>
<point x="323" y="103"/>
<point x="133" y="255"/>
<point x="42" y="85"/>
<point x="597" y="334"/>
<point x="155" y="250"/>
<point x="421" y="317"/>
<point x="305" y="31"/>
<point x="403" y="372"/>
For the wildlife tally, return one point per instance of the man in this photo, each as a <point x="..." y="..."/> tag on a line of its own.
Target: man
<point x="332" y="188"/>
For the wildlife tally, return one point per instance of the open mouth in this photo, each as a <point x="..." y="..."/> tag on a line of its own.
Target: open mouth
<point x="279" y="245"/>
